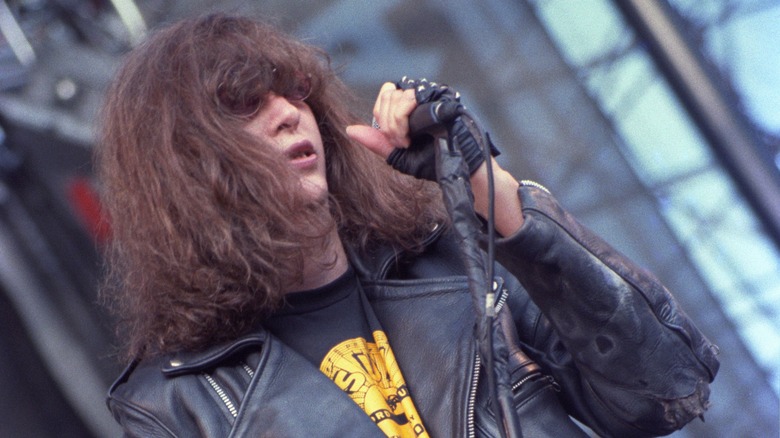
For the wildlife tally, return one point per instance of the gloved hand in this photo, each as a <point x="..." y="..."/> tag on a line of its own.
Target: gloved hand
<point x="418" y="159"/>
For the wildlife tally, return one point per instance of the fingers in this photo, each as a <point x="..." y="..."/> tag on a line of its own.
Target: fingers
<point x="391" y="117"/>
<point x="371" y="138"/>
<point x="391" y="113"/>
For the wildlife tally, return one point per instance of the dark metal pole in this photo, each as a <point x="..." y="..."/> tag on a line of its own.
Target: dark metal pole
<point x="718" y="117"/>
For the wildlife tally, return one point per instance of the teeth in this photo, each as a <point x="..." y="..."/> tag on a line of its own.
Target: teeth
<point x="302" y="154"/>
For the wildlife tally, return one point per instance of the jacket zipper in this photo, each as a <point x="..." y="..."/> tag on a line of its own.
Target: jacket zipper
<point x="222" y="395"/>
<point x="523" y="380"/>
<point x="248" y="370"/>
<point x="550" y="379"/>
<point x="472" y="400"/>
<point x="501" y="300"/>
<point x="529" y="183"/>
<point x="221" y="392"/>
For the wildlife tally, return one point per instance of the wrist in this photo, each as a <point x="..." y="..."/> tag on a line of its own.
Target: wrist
<point x="508" y="210"/>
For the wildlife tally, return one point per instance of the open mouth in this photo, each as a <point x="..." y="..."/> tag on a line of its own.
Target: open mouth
<point x="302" y="154"/>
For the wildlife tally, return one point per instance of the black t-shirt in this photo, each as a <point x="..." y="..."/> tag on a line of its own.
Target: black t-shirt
<point x="313" y="321"/>
<point x="335" y="328"/>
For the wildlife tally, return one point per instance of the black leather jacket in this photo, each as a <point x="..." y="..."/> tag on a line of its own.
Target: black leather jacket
<point x="609" y="346"/>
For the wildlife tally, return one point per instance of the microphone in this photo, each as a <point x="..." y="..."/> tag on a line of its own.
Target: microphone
<point x="432" y="117"/>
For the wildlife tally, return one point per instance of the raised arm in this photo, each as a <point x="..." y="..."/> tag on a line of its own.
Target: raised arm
<point x="391" y="114"/>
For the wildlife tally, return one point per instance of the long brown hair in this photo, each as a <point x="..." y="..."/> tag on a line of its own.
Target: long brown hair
<point x="206" y="223"/>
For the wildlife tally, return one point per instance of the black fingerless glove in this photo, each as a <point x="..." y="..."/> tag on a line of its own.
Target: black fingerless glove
<point x="418" y="159"/>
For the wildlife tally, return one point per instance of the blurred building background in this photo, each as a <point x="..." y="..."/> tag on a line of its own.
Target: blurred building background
<point x="654" y="121"/>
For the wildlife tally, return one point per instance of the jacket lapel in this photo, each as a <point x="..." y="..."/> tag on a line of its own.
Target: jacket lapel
<point x="289" y="396"/>
<point x="429" y="324"/>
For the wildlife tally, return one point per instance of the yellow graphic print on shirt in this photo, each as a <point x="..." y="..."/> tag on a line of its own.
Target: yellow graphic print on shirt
<point x="368" y="372"/>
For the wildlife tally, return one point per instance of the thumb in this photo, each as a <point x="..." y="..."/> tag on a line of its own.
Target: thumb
<point x="371" y="138"/>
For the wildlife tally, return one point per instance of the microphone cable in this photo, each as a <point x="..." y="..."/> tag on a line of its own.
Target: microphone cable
<point x="432" y="118"/>
<point x="505" y="417"/>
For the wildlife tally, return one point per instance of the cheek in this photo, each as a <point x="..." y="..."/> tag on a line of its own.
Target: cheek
<point x="307" y="116"/>
<point x="311" y="122"/>
<point x="255" y="129"/>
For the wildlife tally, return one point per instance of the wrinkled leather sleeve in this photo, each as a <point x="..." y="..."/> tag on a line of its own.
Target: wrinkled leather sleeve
<point x="629" y="361"/>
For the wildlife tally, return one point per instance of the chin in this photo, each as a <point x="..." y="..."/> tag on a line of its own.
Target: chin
<point x="316" y="190"/>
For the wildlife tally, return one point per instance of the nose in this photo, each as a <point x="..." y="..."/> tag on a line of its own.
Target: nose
<point x="288" y="115"/>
